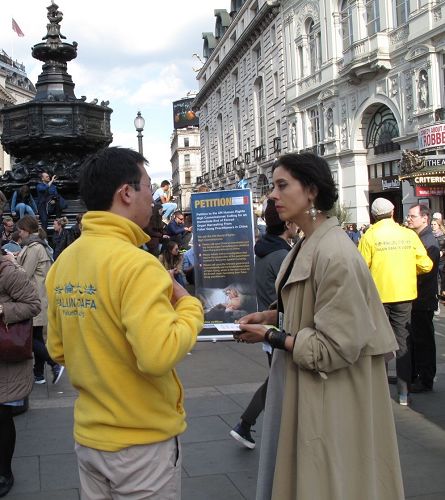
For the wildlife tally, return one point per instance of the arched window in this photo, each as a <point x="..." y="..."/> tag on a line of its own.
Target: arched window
<point x="314" y="45"/>
<point x="346" y="24"/>
<point x="236" y="116"/>
<point x="382" y="130"/>
<point x="220" y="137"/>
<point x="260" y="113"/>
<point x="263" y="186"/>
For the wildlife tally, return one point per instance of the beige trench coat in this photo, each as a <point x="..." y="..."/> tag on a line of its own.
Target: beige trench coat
<point x="36" y="262"/>
<point x="328" y="431"/>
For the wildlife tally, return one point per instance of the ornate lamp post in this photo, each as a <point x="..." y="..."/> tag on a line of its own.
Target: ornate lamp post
<point x="139" y="124"/>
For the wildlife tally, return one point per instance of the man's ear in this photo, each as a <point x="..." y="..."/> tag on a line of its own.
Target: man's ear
<point x="125" y="194"/>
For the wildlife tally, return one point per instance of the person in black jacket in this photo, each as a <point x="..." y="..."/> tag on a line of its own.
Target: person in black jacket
<point x="423" y="307"/>
<point x="62" y="236"/>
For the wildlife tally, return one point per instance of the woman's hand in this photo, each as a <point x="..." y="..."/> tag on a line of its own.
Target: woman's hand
<point x="251" y="333"/>
<point x="260" y="318"/>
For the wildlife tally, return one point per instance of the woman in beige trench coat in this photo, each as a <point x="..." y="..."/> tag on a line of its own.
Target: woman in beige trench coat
<point x="328" y="431"/>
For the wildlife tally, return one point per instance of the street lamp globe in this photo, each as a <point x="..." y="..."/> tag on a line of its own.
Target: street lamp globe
<point x="139" y="124"/>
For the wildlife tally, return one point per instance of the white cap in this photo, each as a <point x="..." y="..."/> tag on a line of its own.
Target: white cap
<point x="437" y="215"/>
<point x="381" y="206"/>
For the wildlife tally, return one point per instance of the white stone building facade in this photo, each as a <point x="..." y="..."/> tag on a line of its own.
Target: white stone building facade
<point x="241" y="98"/>
<point x="351" y="80"/>
<point x="186" y="164"/>
<point x="362" y="76"/>
<point x="15" y="88"/>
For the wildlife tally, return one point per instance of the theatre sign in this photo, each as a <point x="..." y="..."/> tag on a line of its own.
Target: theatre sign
<point x="425" y="173"/>
<point x="432" y="137"/>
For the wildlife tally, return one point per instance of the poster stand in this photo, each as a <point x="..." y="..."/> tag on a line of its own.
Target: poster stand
<point x="223" y="240"/>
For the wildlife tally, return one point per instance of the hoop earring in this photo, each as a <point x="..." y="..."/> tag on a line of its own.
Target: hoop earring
<point x="313" y="212"/>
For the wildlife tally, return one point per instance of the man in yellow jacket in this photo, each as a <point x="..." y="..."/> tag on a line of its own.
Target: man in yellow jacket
<point x="120" y="324"/>
<point x="395" y="255"/>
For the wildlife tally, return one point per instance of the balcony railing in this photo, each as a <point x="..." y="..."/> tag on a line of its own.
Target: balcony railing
<point x="389" y="147"/>
<point x="277" y="144"/>
<point x="259" y="153"/>
<point x="206" y="177"/>
<point x="220" y="171"/>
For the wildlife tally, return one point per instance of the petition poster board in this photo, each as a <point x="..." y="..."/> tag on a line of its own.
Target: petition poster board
<point x="223" y="240"/>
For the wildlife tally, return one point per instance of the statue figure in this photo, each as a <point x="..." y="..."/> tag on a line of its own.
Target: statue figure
<point x="293" y="135"/>
<point x="330" y="122"/>
<point x="423" y="90"/>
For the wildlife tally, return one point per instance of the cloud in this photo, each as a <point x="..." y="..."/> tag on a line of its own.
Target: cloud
<point x="164" y="89"/>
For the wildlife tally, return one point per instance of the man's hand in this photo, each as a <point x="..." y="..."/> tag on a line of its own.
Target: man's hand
<point x="178" y="290"/>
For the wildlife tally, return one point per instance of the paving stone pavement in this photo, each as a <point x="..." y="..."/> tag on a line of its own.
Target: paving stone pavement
<point x="219" y="379"/>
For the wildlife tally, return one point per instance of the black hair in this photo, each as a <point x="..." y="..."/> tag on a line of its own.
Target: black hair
<point x="312" y="171"/>
<point x="277" y="229"/>
<point x="103" y="172"/>
<point x="165" y="183"/>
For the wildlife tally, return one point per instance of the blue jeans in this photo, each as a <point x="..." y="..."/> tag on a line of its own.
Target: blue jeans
<point x="168" y="209"/>
<point x="23" y="209"/>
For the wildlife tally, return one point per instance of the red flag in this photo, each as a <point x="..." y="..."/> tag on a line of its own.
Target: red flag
<point x="17" y="29"/>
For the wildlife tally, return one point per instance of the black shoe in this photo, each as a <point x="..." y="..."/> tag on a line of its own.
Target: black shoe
<point x="419" y="386"/>
<point x="57" y="372"/>
<point x="241" y="432"/>
<point x="392" y="380"/>
<point x="6" y="484"/>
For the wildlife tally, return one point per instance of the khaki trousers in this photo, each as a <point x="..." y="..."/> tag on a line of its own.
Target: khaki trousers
<point x="136" y="473"/>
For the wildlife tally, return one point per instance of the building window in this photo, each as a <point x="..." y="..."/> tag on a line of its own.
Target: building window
<point x="314" y="46"/>
<point x="260" y="113"/>
<point x="186" y="142"/>
<point x="402" y="11"/>
<point x="314" y="119"/>
<point x="257" y="53"/>
<point x="220" y="138"/>
<point x="300" y="61"/>
<point x="273" y="35"/>
<point x="346" y="24"/>
<point x="382" y="130"/>
<point x="237" y="127"/>
<point x="276" y="85"/>
<point x="186" y="160"/>
<point x="289" y="53"/>
<point x="206" y="149"/>
<point x="188" y="177"/>
<point x="442" y="72"/>
<point x="372" y="17"/>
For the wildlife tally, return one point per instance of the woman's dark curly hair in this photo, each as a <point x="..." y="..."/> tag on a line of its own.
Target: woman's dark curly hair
<point x="312" y="171"/>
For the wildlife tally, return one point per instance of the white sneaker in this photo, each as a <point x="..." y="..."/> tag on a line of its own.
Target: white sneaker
<point x="437" y="311"/>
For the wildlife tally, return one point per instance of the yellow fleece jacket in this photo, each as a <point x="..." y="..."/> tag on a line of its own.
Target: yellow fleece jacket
<point x="111" y="323"/>
<point x="395" y="256"/>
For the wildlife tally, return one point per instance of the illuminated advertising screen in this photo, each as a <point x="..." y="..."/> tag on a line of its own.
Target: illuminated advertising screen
<point x="183" y="115"/>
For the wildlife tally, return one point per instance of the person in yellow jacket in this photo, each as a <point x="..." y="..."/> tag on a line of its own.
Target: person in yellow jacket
<point x="395" y="256"/>
<point x="120" y="323"/>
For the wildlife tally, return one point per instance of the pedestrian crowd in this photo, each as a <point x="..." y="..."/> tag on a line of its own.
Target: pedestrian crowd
<point x="334" y="307"/>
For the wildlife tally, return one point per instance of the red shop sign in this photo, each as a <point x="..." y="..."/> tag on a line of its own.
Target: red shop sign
<point x="430" y="191"/>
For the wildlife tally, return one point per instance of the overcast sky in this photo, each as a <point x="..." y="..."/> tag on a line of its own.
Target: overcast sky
<point x="134" y="53"/>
